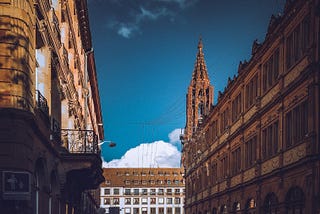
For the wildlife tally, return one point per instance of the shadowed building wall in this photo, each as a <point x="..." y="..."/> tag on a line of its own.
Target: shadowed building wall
<point x="257" y="150"/>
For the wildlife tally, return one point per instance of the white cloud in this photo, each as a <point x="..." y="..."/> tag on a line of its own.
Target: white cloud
<point x="182" y="3"/>
<point x="125" y="31"/>
<point x="174" y="136"/>
<point x="141" y="11"/>
<point x="155" y="154"/>
<point x="152" y="15"/>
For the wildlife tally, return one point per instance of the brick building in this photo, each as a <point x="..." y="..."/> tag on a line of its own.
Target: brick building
<point x="257" y="149"/>
<point x="50" y="115"/>
<point x="143" y="191"/>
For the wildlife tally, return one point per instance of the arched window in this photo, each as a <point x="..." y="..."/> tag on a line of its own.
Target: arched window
<point x="236" y="207"/>
<point x="37" y="190"/>
<point x="214" y="210"/>
<point x="54" y="202"/>
<point x="295" y="201"/>
<point x="39" y="183"/>
<point x="200" y="109"/>
<point x="270" y="204"/>
<point x="223" y="209"/>
<point x="250" y="206"/>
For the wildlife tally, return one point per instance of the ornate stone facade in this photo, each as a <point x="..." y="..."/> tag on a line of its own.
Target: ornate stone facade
<point x="257" y="151"/>
<point x="50" y="114"/>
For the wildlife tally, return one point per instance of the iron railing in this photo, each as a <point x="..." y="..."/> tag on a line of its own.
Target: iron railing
<point x="42" y="103"/>
<point x="80" y="141"/>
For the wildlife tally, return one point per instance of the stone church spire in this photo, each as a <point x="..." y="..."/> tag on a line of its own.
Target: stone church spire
<point x="200" y="68"/>
<point x="199" y="96"/>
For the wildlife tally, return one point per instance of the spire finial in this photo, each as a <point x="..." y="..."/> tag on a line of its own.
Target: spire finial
<point x="200" y="43"/>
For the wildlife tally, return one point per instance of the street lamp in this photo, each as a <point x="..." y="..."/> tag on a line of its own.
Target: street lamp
<point x="111" y="143"/>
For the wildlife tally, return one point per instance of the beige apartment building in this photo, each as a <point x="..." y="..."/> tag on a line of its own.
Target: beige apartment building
<point x="50" y="114"/>
<point x="143" y="191"/>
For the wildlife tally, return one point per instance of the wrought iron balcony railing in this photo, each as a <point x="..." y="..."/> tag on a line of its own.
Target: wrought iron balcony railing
<point x="80" y="141"/>
<point x="42" y="103"/>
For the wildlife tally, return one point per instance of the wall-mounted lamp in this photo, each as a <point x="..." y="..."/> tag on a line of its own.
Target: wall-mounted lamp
<point x="111" y="143"/>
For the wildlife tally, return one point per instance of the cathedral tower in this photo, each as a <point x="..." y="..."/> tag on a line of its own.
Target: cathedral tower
<point x="199" y="96"/>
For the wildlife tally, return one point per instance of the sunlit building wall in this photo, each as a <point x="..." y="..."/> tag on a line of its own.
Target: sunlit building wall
<point x="50" y="115"/>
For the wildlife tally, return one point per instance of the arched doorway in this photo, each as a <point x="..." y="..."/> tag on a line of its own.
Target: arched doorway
<point x="270" y="204"/>
<point x="295" y="201"/>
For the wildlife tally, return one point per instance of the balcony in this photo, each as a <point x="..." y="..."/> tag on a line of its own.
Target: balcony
<point x="81" y="158"/>
<point x="80" y="141"/>
<point x="42" y="103"/>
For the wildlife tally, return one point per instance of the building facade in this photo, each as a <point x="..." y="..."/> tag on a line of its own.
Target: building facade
<point x="50" y="114"/>
<point x="143" y="191"/>
<point x="257" y="150"/>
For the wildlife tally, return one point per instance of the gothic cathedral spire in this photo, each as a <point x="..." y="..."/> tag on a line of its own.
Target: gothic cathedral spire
<point x="200" y="94"/>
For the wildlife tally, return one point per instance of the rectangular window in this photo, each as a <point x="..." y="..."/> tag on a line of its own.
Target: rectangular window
<point x="144" y="191"/>
<point x="115" y="201"/>
<point x="152" y="191"/>
<point x="127" y="191"/>
<point x="152" y="200"/>
<point x="177" y="201"/>
<point x="144" y="201"/>
<point x="169" y="210"/>
<point x="270" y="138"/>
<point x="298" y="42"/>
<point x="161" y="210"/>
<point x="169" y="191"/>
<point x="251" y="92"/>
<point x="136" y="191"/>
<point x="214" y="170"/>
<point x="107" y="201"/>
<point x="136" y="211"/>
<point x="160" y="192"/>
<point x="107" y="191"/>
<point x="214" y="129"/>
<point x="127" y="210"/>
<point x="250" y="152"/>
<point x="296" y="122"/>
<point x="136" y="201"/>
<point x="224" y="166"/>
<point x="116" y="191"/>
<point x="236" y="107"/>
<point x="177" y="191"/>
<point x="224" y="120"/>
<point x="160" y="200"/>
<point x="127" y="201"/>
<point x="169" y="200"/>
<point x="236" y="161"/>
<point x="271" y="71"/>
<point x="152" y="210"/>
<point x="177" y="210"/>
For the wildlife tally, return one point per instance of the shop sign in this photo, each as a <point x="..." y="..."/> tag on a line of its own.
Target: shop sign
<point x="16" y="185"/>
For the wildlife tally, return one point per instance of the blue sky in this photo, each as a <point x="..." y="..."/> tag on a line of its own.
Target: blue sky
<point x="145" y="52"/>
